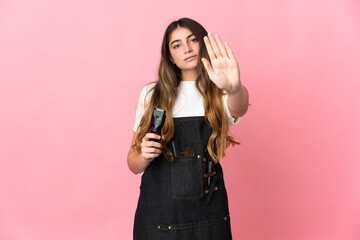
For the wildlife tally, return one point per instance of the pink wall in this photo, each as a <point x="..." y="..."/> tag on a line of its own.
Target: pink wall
<point x="71" y="73"/>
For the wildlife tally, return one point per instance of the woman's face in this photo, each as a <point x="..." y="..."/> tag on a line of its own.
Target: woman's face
<point x="184" y="48"/>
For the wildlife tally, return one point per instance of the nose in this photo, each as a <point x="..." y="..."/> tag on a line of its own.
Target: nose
<point x="187" y="48"/>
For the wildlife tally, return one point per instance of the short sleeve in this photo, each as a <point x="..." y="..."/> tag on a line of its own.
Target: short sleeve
<point x="231" y="119"/>
<point x="142" y="103"/>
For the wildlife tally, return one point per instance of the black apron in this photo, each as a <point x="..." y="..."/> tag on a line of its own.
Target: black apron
<point x="185" y="199"/>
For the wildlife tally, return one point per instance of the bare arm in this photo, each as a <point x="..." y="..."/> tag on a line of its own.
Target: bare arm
<point x="224" y="71"/>
<point x="238" y="102"/>
<point x="138" y="162"/>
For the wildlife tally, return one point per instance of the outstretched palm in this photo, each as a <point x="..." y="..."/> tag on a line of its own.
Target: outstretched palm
<point x="224" y="70"/>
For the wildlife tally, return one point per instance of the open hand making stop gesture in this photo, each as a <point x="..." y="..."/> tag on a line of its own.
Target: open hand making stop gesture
<point x="224" y="70"/>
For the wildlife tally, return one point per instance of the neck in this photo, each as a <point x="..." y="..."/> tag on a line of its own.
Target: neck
<point x="189" y="75"/>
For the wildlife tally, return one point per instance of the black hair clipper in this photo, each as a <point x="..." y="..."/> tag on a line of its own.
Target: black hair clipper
<point x="157" y="122"/>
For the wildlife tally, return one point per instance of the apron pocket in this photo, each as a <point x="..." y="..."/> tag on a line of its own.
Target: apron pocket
<point x="218" y="229"/>
<point x="186" y="177"/>
<point x="179" y="233"/>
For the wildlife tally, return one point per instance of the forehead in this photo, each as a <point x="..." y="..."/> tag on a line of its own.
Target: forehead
<point x="179" y="33"/>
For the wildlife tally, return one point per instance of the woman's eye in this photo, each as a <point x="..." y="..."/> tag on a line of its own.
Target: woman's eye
<point x="194" y="40"/>
<point x="176" y="46"/>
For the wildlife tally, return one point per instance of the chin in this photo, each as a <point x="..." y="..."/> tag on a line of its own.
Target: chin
<point x="189" y="66"/>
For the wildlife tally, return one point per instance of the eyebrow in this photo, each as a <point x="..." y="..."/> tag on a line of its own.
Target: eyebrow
<point x="178" y="40"/>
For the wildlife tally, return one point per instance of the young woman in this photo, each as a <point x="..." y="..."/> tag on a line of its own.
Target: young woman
<point x="182" y="192"/>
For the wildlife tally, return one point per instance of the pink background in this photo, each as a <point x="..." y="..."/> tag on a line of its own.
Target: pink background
<point x="71" y="73"/>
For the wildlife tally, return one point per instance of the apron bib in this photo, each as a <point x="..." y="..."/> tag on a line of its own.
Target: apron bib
<point x="185" y="199"/>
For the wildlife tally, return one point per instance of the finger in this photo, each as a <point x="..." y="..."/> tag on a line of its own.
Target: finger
<point x="162" y="140"/>
<point x="230" y="52"/>
<point x="214" y="45"/>
<point x="150" y="156"/>
<point x="207" y="66"/>
<point x="151" y="151"/>
<point x="148" y="136"/>
<point x="209" y="48"/>
<point x="151" y="144"/>
<point x="146" y="150"/>
<point x="221" y="46"/>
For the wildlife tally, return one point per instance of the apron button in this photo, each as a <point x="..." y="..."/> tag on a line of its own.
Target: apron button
<point x="169" y="227"/>
<point x="158" y="226"/>
<point x="207" y="191"/>
<point x="199" y="156"/>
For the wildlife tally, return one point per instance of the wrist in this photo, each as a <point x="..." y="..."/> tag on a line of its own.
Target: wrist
<point x="239" y="90"/>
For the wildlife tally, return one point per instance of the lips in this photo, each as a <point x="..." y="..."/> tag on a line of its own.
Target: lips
<point x="190" y="58"/>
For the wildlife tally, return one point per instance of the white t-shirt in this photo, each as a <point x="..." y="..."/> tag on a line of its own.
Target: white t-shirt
<point x="189" y="103"/>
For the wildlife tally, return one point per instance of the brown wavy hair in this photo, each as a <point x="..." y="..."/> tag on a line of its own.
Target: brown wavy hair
<point x="165" y="92"/>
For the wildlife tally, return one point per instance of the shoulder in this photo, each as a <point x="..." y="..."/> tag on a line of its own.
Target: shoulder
<point x="148" y="87"/>
<point x="146" y="92"/>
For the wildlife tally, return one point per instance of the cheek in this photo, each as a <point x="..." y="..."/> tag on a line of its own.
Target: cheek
<point x="196" y="48"/>
<point x="175" y="55"/>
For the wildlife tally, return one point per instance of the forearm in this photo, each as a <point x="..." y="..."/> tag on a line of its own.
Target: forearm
<point x="136" y="163"/>
<point x="238" y="102"/>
